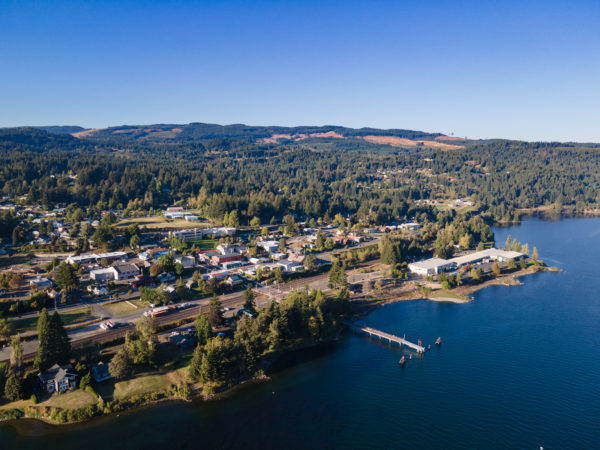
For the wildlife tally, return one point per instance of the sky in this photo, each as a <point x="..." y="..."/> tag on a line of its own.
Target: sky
<point x="481" y="69"/>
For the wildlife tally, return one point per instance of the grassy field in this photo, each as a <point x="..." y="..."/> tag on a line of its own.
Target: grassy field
<point x="141" y="385"/>
<point x="155" y="222"/>
<point x="77" y="315"/>
<point x="207" y="244"/>
<point x="125" y="307"/>
<point x="71" y="399"/>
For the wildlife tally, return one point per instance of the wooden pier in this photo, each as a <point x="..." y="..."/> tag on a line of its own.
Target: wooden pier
<point x="385" y="336"/>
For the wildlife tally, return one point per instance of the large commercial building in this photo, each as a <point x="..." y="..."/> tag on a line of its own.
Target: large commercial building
<point x="434" y="266"/>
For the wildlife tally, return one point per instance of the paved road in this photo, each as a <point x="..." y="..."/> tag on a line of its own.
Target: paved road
<point x="94" y="334"/>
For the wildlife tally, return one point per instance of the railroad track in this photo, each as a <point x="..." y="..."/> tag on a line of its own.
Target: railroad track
<point x="188" y="313"/>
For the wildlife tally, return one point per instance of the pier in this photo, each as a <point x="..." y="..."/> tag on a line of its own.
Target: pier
<point x="382" y="335"/>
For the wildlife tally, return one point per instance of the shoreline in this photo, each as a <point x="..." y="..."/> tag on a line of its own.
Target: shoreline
<point x="459" y="295"/>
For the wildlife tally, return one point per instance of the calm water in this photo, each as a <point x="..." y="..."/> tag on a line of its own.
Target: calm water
<point x="518" y="367"/>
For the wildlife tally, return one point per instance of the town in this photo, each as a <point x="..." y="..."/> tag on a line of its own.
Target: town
<point x="185" y="280"/>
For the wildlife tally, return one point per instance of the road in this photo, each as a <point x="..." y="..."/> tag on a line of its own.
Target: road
<point x="94" y="334"/>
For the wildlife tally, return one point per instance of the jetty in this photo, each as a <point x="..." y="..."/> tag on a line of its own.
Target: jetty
<point x="382" y="335"/>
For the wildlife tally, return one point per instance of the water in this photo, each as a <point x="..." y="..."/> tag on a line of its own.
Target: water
<point x="518" y="367"/>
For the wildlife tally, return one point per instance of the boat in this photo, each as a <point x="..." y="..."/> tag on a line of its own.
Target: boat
<point x="438" y="341"/>
<point x="402" y="361"/>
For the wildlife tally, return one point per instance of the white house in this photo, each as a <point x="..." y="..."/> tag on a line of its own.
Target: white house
<point x="186" y="261"/>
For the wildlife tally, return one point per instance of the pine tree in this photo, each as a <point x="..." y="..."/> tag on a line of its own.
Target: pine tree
<point x="534" y="254"/>
<point x="203" y="329"/>
<point x="16" y="357"/>
<point x="214" y="312"/>
<point x="66" y="277"/>
<point x="13" y="389"/>
<point x="249" y="299"/>
<point x="42" y="360"/>
<point x="195" y="370"/>
<point x="508" y="242"/>
<point x="60" y="345"/>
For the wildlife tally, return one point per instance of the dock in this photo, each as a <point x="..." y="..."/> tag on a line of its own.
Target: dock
<point x="382" y="335"/>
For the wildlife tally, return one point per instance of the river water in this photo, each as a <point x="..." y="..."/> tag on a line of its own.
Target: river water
<point x="518" y="367"/>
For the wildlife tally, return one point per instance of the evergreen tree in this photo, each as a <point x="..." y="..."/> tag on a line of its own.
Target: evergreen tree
<point x="215" y="316"/>
<point x="249" y="299"/>
<point x="59" y="341"/>
<point x="496" y="269"/>
<point x="534" y="254"/>
<point x="508" y="242"/>
<point x="16" y="357"/>
<point x="66" y="277"/>
<point x="195" y="370"/>
<point x="42" y="360"/>
<point x="203" y="329"/>
<point x="13" y="390"/>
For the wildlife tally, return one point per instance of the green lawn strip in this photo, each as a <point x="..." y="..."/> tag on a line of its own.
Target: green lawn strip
<point x="125" y="307"/>
<point x="78" y="315"/>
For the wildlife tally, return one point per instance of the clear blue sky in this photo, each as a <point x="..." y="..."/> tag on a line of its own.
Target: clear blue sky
<point x="515" y="69"/>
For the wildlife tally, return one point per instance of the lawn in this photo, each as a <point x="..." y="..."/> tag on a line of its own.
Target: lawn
<point x="140" y="385"/>
<point x="155" y="222"/>
<point x="77" y="315"/>
<point x="125" y="307"/>
<point x="206" y="244"/>
<point x="71" y="399"/>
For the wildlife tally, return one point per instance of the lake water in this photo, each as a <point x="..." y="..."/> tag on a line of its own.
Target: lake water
<point x="518" y="367"/>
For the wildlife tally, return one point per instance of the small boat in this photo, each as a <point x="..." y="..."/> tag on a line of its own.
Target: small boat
<point x="410" y="357"/>
<point x="429" y="347"/>
<point x="438" y="341"/>
<point x="402" y="361"/>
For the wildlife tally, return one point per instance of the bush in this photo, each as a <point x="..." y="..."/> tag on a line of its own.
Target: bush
<point x="10" y="414"/>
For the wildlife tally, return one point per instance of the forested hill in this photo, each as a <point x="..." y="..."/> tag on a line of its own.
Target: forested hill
<point x="308" y="178"/>
<point x="267" y="134"/>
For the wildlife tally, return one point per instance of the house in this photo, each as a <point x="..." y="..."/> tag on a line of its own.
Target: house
<point x="97" y="290"/>
<point x="227" y="249"/>
<point x="268" y="246"/>
<point x="40" y="283"/>
<point x="170" y="290"/>
<point x="278" y="256"/>
<point x="165" y="277"/>
<point x="100" y="372"/>
<point x="410" y="226"/>
<point x="255" y="260"/>
<point x="58" y="378"/>
<point x="186" y="261"/>
<point x="190" y="284"/>
<point x="183" y="340"/>
<point x="234" y="280"/>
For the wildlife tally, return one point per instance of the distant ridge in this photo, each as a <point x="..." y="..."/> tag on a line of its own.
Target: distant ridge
<point x="270" y="134"/>
<point x="61" y="129"/>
